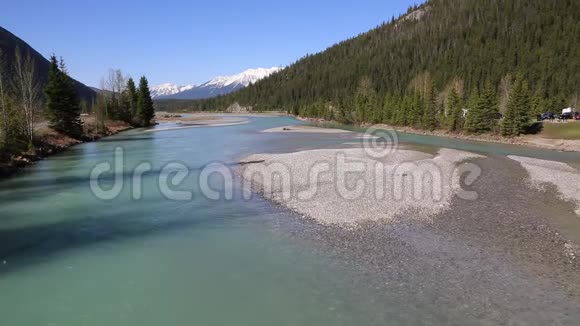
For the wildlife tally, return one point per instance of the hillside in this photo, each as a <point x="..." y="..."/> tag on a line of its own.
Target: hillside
<point x="8" y="44"/>
<point x="451" y="42"/>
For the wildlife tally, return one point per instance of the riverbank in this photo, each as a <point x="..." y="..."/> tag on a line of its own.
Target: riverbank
<point x="49" y="142"/>
<point x="566" y="145"/>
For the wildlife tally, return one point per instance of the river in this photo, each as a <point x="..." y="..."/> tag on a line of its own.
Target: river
<point x="69" y="258"/>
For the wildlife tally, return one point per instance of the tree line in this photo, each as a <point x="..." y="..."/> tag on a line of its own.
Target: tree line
<point x="121" y="99"/>
<point x="406" y="68"/>
<point x="424" y="107"/>
<point x="27" y="106"/>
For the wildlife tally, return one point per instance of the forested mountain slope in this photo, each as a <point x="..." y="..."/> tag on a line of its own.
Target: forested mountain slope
<point x="442" y="44"/>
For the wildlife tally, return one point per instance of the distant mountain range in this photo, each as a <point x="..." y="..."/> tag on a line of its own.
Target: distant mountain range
<point x="8" y="44"/>
<point x="168" y="89"/>
<point x="218" y="86"/>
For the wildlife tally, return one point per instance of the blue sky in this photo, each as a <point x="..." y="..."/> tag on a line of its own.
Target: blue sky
<point x="187" y="41"/>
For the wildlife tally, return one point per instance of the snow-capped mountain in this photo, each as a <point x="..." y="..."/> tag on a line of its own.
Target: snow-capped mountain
<point x="168" y="89"/>
<point x="243" y="79"/>
<point x="223" y="84"/>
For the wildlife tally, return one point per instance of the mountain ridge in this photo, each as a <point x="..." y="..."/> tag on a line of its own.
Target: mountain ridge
<point x="217" y="86"/>
<point x="168" y="89"/>
<point x="9" y="42"/>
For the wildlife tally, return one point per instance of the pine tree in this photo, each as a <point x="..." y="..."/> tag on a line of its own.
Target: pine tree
<point x="146" y="111"/>
<point x="53" y="91"/>
<point x="525" y="113"/>
<point x="473" y="106"/>
<point x="483" y="111"/>
<point x="509" y="125"/>
<point x="390" y="107"/>
<point x="414" y="112"/>
<point x="132" y="97"/>
<point x="429" y="118"/>
<point x="365" y="101"/>
<point x="538" y="104"/>
<point x="62" y="104"/>
<point x="455" y="111"/>
<point x="490" y="109"/>
<point x="517" y="116"/>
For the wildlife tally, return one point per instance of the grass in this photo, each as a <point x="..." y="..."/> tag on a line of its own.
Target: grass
<point x="567" y="130"/>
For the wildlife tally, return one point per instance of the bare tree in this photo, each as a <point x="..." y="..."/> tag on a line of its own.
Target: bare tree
<point x="421" y="83"/>
<point x="100" y="112"/>
<point x="120" y="83"/>
<point x="27" y="88"/>
<point x="115" y="82"/>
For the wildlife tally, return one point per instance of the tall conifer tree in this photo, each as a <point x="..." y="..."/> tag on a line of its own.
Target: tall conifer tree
<point x="62" y="103"/>
<point x="145" y="109"/>
<point x="455" y="111"/>
<point x="429" y="118"/>
<point x="132" y="98"/>
<point x="517" y="116"/>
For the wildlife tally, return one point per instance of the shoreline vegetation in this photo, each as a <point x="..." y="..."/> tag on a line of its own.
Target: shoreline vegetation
<point x="40" y="116"/>
<point x="558" y="144"/>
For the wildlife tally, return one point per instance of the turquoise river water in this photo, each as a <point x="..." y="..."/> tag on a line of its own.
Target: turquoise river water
<point x="68" y="258"/>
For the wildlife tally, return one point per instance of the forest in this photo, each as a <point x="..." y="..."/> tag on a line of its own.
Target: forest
<point x="462" y="65"/>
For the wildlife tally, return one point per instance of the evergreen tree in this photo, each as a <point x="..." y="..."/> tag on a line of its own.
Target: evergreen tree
<point x="483" y="111"/>
<point x="132" y="97"/>
<point x="473" y="108"/>
<point x="124" y="113"/>
<point x="389" y="109"/>
<point x="525" y="112"/>
<point x="509" y="124"/>
<point x="455" y="111"/>
<point x="490" y="109"/>
<point x="365" y="101"/>
<point x="62" y="104"/>
<point x="517" y="117"/>
<point x="414" y="111"/>
<point x="538" y="104"/>
<point x="429" y="118"/>
<point x="145" y="109"/>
